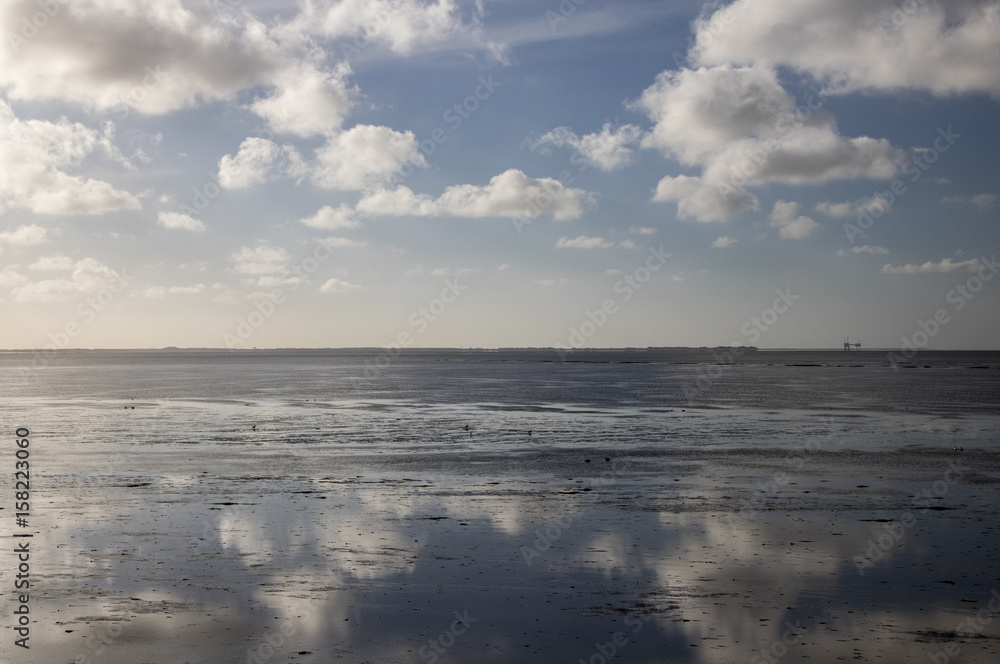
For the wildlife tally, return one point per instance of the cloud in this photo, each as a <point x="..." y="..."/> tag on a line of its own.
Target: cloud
<point x="863" y="249"/>
<point x="35" y="157"/>
<point x="156" y="56"/>
<point x="872" y="205"/>
<point x="335" y="285"/>
<point x="984" y="201"/>
<point x="944" y="266"/>
<point x="52" y="264"/>
<point x="607" y="150"/>
<point x="343" y="242"/>
<point x="364" y="156"/>
<point x="697" y="113"/>
<point x="705" y="201"/>
<point x="88" y="276"/>
<point x="157" y="292"/>
<point x="11" y="278"/>
<point x="23" y="236"/>
<point x="259" y="160"/>
<point x="308" y="101"/>
<point x="180" y="222"/>
<point x="741" y="127"/>
<point x="330" y="218"/>
<point x="511" y="193"/>
<point x="361" y="157"/>
<point x="260" y="260"/>
<point x="583" y="242"/>
<point x="402" y="25"/>
<point x="981" y="201"/>
<point x="723" y="242"/>
<point x="642" y="230"/>
<point x="791" y="225"/>
<point x="941" y="47"/>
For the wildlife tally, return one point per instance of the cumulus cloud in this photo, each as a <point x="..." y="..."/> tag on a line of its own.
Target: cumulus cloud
<point x="260" y="260"/>
<point x="335" y="285"/>
<point x="259" y="160"/>
<point x="309" y="101"/>
<point x="705" y="201"/>
<point x="160" y="56"/>
<point x="401" y="25"/>
<point x="330" y="218"/>
<point x="511" y="193"/>
<point x="343" y="243"/>
<point x="35" y="159"/>
<point x="87" y="275"/>
<point x="723" y="242"/>
<point x="23" y="236"/>
<point x="940" y="46"/>
<point x="608" y="150"/>
<point x="11" y="278"/>
<point x="155" y="56"/>
<point x="361" y="157"/>
<point x="791" y="225"/>
<point x="158" y="292"/>
<point x="863" y="249"/>
<point x="56" y="263"/>
<point x="583" y="242"/>
<point x="872" y="204"/>
<point x="642" y="230"/>
<point x="741" y="127"/>
<point x="944" y="266"/>
<point x="981" y="201"/>
<point x="180" y="222"/>
<point x="364" y="156"/>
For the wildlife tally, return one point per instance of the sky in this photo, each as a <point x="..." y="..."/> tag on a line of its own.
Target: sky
<point x="499" y="173"/>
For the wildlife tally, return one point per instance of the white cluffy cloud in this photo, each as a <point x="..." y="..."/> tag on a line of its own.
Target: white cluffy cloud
<point x="84" y="276"/>
<point x="583" y="242"/>
<point x="740" y="126"/>
<point x="511" y="193"/>
<point x="36" y="160"/>
<point x="942" y="46"/>
<point x="608" y="150"/>
<point x="402" y="25"/>
<point x="158" y="292"/>
<point x="260" y="260"/>
<point x="352" y="160"/>
<point x="872" y="205"/>
<point x="330" y="218"/>
<point x="23" y="236"/>
<point x="981" y="201"/>
<point x="335" y="285"/>
<point x="57" y="263"/>
<point x="723" y="242"/>
<point x="791" y="225"/>
<point x="863" y="249"/>
<point x="259" y="160"/>
<point x="364" y="156"/>
<point x="308" y="101"/>
<point x="180" y="222"/>
<point x="156" y="56"/>
<point x="944" y="266"/>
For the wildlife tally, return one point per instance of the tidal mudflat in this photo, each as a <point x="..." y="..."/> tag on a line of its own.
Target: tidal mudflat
<point x="294" y="528"/>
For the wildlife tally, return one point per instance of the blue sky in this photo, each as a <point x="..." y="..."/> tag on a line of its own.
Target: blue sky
<point x="484" y="174"/>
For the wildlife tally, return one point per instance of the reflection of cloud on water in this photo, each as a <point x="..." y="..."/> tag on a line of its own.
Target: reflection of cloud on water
<point x="370" y="550"/>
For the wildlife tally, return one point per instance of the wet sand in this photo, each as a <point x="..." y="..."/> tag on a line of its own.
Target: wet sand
<point x="178" y="534"/>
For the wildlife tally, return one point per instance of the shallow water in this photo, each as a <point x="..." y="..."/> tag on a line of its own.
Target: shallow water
<point x="214" y="507"/>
